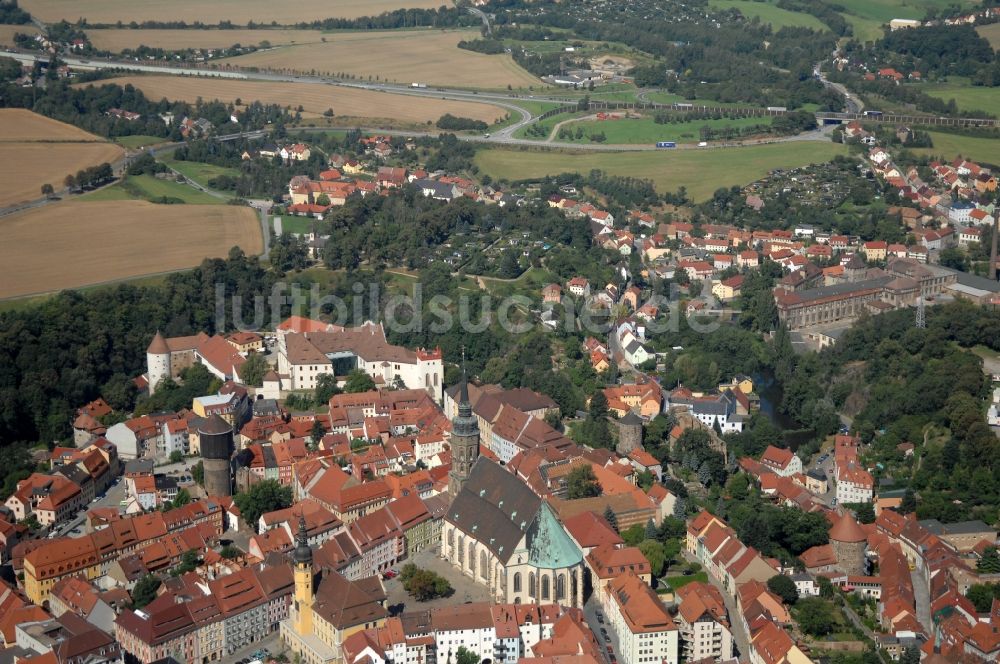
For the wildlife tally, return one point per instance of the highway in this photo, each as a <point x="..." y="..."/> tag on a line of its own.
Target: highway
<point x="507" y="101"/>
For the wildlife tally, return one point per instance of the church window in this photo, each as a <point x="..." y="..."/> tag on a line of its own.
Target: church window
<point x="561" y="587"/>
<point x="472" y="555"/>
<point x="517" y="582"/>
<point x="483" y="567"/>
<point x="531" y="584"/>
<point x="545" y="587"/>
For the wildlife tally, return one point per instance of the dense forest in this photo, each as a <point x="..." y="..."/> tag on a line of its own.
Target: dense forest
<point x="700" y="59"/>
<point x="905" y="384"/>
<point x="71" y="348"/>
<point x="936" y="51"/>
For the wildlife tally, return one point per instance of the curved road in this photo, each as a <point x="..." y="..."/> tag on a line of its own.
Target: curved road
<point x="506" y="101"/>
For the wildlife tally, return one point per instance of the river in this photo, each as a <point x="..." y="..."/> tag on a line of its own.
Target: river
<point x="770" y="392"/>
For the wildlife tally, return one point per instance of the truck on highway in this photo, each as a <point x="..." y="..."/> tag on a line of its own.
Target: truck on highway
<point x="666" y="144"/>
<point x="777" y="108"/>
<point x="418" y="85"/>
<point x="872" y="114"/>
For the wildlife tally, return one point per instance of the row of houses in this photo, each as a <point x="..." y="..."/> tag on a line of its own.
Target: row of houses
<point x="366" y="546"/>
<point x="743" y="574"/>
<point x="77" y="476"/>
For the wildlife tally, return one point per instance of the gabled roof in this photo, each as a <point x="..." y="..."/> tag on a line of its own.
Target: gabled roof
<point x="495" y="507"/>
<point x="591" y="530"/>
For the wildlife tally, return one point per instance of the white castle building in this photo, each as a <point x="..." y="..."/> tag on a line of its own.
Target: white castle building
<point x="303" y="356"/>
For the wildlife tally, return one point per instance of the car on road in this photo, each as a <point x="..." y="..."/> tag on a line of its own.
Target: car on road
<point x="389" y="574"/>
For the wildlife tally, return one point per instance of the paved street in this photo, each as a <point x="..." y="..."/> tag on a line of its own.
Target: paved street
<point x="608" y="636"/>
<point x="922" y="597"/>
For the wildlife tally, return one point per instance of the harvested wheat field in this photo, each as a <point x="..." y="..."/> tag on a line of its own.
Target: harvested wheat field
<point x="400" y="56"/>
<point x="25" y="167"/>
<point x="314" y="99"/>
<point x="7" y="33"/>
<point x="109" y="12"/>
<point x="76" y="243"/>
<point x="35" y="150"/>
<point x="18" y="124"/>
<point x="990" y="33"/>
<point x="113" y="39"/>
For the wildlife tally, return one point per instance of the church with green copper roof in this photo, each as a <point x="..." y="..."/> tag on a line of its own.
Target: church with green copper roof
<point x="502" y="535"/>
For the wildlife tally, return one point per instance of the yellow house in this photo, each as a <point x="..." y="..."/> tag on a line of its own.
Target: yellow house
<point x="46" y="565"/>
<point x="352" y="167"/>
<point x="246" y="342"/>
<point x="727" y="289"/>
<point x="876" y="250"/>
<point x="223" y="405"/>
<point x="599" y="361"/>
<point x="326" y="613"/>
<point x="745" y="383"/>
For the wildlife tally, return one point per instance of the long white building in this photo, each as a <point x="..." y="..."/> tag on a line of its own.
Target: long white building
<point x="304" y="356"/>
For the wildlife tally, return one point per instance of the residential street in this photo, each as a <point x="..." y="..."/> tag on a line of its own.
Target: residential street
<point x="922" y="597"/>
<point x="590" y="611"/>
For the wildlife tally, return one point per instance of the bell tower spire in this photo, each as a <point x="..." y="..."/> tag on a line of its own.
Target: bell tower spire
<point x="303" y="573"/>
<point x="464" y="438"/>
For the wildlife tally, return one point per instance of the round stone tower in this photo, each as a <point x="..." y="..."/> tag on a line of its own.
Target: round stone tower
<point x="157" y="361"/>
<point x="216" y="436"/>
<point x="849" y="541"/>
<point x="629" y="433"/>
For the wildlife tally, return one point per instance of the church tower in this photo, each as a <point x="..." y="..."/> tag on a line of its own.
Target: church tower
<point x="464" y="442"/>
<point x="302" y="559"/>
